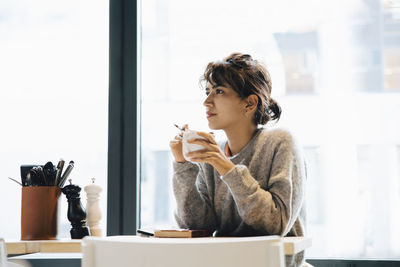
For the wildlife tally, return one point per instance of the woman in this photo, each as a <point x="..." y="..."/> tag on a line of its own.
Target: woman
<point x="253" y="184"/>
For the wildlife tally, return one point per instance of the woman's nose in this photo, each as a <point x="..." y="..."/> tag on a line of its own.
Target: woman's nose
<point x="208" y="100"/>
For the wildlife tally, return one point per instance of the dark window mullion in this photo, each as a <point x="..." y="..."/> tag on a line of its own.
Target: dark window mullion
<point x="122" y="139"/>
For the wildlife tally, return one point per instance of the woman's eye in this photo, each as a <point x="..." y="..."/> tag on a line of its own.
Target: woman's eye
<point x="219" y="91"/>
<point x="207" y="93"/>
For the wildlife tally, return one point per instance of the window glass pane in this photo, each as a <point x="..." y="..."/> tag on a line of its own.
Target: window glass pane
<point x="335" y="74"/>
<point x="391" y="48"/>
<point x="53" y="97"/>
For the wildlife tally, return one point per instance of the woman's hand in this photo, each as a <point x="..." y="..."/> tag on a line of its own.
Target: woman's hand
<point x="176" y="146"/>
<point x="212" y="154"/>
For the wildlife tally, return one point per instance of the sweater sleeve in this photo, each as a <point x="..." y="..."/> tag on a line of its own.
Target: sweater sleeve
<point x="194" y="209"/>
<point x="274" y="209"/>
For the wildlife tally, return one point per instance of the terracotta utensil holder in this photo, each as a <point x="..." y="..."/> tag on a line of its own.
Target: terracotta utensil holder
<point x="39" y="212"/>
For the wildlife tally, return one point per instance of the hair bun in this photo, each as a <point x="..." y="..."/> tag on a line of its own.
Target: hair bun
<point x="239" y="60"/>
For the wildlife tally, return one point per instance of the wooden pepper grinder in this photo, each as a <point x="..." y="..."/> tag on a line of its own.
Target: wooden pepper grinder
<point x="93" y="208"/>
<point x="76" y="213"/>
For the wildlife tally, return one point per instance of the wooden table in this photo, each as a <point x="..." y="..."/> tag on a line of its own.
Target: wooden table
<point x="292" y="245"/>
<point x="43" y="246"/>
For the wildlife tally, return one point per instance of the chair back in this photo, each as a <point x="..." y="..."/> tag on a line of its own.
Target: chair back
<point x="182" y="252"/>
<point x="3" y="253"/>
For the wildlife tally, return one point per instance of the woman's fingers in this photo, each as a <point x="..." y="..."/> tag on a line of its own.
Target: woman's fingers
<point x="175" y="146"/>
<point x="208" y="136"/>
<point x="209" y="157"/>
<point x="201" y="154"/>
<point x="176" y="149"/>
<point x="200" y="141"/>
<point x="174" y="142"/>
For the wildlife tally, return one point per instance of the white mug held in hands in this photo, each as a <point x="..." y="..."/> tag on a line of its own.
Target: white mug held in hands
<point x="187" y="147"/>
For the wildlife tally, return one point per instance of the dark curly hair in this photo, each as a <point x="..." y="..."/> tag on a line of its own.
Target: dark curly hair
<point x="246" y="76"/>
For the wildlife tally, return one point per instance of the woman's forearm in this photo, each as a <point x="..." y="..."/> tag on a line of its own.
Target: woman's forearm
<point x="194" y="209"/>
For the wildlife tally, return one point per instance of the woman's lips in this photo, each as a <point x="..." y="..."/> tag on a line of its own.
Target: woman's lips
<point x="210" y="114"/>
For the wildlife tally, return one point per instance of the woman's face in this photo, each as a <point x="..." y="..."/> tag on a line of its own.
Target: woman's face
<point x="224" y="107"/>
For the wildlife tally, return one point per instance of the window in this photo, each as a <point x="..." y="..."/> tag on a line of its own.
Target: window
<point x="299" y="53"/>
<point x="334" y="72"/>
<point x="391" y="50"/>
<point x="53" y="97"/>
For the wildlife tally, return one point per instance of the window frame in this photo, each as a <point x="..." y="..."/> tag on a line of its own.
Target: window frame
<point x="123" y="181"/>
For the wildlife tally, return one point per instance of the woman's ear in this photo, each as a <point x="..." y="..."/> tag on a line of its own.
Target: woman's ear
<point x="251" y="102"/>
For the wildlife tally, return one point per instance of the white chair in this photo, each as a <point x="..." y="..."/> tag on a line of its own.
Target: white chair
<point x="182" y="252"/>
<point x="3" y="253"/>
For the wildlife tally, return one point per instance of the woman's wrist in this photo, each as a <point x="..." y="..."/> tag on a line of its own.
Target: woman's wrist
<point x="225" y="168"/>
<point x="178" y="157"/>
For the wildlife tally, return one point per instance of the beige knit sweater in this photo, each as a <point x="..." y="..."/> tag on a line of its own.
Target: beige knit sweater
<point x="262" y="195"/>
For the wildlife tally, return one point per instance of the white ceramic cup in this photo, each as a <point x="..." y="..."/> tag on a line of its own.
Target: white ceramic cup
<point x="186" y="147"/>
